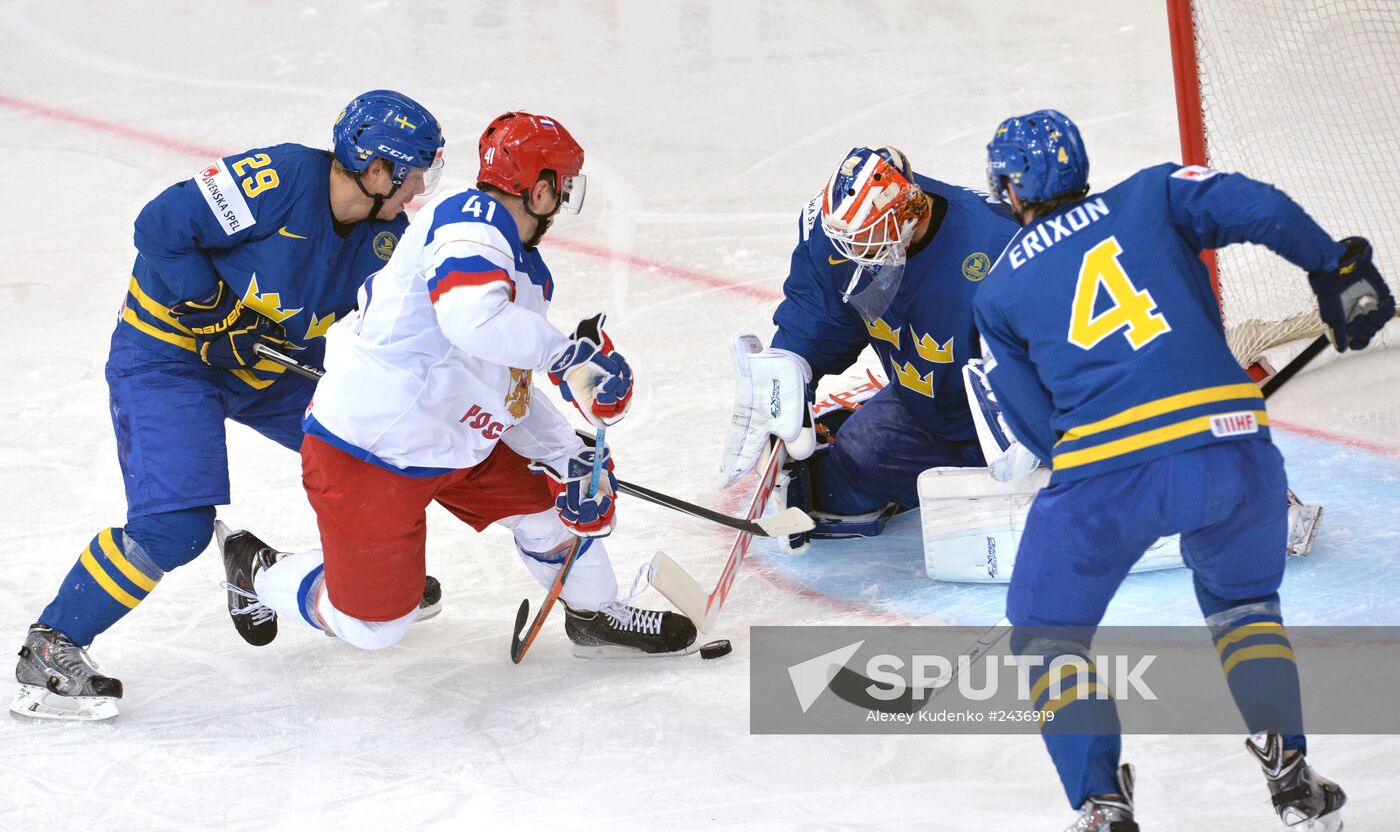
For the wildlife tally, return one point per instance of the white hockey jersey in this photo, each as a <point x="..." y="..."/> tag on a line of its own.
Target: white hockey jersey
<point x="435" y="367"/>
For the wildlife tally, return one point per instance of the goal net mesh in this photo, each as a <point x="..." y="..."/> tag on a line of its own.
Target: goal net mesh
<point x="1303" y="94"/>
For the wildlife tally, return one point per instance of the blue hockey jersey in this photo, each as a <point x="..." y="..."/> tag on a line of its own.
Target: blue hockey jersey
<point x="1108" y="344"/>
<point x="260" y="222"/>
<point x="927" y="333"/>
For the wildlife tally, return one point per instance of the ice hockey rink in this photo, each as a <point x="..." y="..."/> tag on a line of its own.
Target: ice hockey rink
<point x="707" y="127"/>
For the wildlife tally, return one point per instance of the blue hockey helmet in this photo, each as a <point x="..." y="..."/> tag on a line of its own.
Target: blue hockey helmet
<point x="1040" y="153"/>
<point x="383" y="124"/>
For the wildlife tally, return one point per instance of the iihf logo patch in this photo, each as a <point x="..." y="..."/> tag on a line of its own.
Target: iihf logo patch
<point x="1234" y="424"/>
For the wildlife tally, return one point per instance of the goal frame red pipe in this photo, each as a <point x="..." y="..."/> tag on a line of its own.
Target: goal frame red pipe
<point x="1189" y="115"/>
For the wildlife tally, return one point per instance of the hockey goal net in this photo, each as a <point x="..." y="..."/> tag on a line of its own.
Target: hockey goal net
<point x="1303" y="94"/>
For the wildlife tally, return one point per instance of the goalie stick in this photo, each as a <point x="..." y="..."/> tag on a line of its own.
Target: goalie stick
<point x="670" y="578"/>
<point x="789" y="521"/>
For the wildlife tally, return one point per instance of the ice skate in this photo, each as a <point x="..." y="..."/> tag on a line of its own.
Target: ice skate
<point x="622" y="631"/>
<point x="1109" y="812"/>
<point x="244" y="557"/>
<point x="1305" y="801"/>
<point x="57" y="680"/>
<point x="1303" y="520"/>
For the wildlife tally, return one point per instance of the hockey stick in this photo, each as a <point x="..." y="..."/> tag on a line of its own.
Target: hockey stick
<point x="1311" y="351"/>
<point x="519" y="645"/>
<point x="671" y="579"/>
<point x="788" y="521"/>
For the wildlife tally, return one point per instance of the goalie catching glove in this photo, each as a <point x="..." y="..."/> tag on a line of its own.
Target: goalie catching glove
<point x="592" y="375"/>
<point x="1353" y="301"/>
<point x="770" y="400"/>
<point x="584" y="514"/>
<point x="225" y="330"/>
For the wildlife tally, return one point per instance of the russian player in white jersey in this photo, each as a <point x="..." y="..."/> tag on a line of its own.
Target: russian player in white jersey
<point x="428" y="396"/>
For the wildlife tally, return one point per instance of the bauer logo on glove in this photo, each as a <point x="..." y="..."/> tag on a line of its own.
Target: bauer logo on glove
<point x="225" y="330"/>
<point x="592" y="375"/>
<point x="583" y="513"/>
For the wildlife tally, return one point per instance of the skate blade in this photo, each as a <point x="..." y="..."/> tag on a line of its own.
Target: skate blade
<point x="431" y="611"/>
<point x="34" y="702"/>
<point x="1327" y="823"/>
<point x="612" y="651"/>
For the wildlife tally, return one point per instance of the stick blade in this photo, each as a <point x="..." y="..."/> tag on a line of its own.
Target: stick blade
<point x="517" y="651"/>
<point x="672" y="581"/>
<point x="788" y="521"/>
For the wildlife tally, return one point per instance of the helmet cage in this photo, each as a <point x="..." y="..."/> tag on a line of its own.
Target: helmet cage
<point x="870" y="208"/>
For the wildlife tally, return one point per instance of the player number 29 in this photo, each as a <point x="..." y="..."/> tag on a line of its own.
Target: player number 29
<point x="1130" y="310"/>
<point x="263" y="180"/>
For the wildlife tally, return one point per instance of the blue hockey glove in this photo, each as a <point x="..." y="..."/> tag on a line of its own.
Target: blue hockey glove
<point x="592" y="375"/>
<point x="584" y="515"/>
<point x="225" y="330"/>
<point x="1352" y="321"/>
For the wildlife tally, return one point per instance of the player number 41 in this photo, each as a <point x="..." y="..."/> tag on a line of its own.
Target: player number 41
<point x="1130" y="310"/>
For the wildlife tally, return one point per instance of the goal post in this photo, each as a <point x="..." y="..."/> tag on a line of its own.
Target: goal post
<point x="1305" y="95"/>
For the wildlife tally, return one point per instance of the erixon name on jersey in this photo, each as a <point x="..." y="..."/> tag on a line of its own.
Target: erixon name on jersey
<point x="1049" y="231"/>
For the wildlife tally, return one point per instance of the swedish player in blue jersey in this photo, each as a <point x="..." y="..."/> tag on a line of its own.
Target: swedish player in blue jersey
<point x="1108" y="355"/>
<point x="271" y="246"/>
<point x="894" y="266"/>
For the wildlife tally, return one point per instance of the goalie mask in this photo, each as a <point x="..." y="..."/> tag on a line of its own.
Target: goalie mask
<point x="870" y="209"/>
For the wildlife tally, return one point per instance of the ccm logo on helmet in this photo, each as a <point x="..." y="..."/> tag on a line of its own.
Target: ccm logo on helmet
<point x="397" y="154"/>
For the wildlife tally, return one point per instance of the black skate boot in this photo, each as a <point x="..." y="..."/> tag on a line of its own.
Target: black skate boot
<point x="431" y="604"/>
<point x="1304" y="800"/>
<point x="244" y="557"/>
<point x="57" y="680"/>
<point x="621" y="631"/>
<point x="1109" y="812"/>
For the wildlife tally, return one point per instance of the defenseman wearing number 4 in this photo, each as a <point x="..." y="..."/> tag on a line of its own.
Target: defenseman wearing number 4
<point x="894" y="266"/>
<point x="268" y="245"/>
<point x="428" y="397"/>
<point x="1107" y="353"/>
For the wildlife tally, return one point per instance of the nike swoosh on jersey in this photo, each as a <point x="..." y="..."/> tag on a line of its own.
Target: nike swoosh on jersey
<point x="285" y="233"/>
<point x="836" y="261"/>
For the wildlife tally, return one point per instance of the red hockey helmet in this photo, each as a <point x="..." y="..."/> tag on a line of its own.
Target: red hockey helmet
<point x="518" y="147"/>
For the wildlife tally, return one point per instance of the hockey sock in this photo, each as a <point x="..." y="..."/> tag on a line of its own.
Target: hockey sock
<point x="1258" y="662"/>
<point x="113" y="574"/>
<point x="292" y="586"/>
<point x="1083" y="736"/>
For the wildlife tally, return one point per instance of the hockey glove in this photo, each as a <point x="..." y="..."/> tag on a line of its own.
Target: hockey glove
<point x="1342" y="297"/>
<point x="584" y="515"/>
<point x="225" y="330"/>
<point x="592" y="375"/>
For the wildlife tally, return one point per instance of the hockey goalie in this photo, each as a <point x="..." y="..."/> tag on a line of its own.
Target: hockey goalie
<point x="972" y="517"/>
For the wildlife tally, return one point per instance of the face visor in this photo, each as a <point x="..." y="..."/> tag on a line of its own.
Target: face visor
<point x="432" y="174"/>
<point x="572" y="190"/>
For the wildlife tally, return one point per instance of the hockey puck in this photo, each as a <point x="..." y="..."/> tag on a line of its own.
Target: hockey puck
<point x="715" y="649"/>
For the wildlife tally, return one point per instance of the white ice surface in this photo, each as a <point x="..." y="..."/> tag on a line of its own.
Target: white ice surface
<point x="707" y="126"/>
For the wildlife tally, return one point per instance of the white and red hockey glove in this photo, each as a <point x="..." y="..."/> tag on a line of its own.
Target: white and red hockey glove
<point x="584" y="514"/>
<point x="592" y="375"/>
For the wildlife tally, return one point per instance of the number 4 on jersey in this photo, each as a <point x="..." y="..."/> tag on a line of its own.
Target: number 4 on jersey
<point x="1131" y="310"/>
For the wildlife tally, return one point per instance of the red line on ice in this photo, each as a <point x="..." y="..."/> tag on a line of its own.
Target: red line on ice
<point x="109" y="127"/>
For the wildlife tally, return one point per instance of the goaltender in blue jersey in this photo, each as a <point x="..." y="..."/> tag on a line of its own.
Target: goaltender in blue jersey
<point x="894" y="265"/>
<point x="268" y="246"/>
<point x="1108" y="356"/>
